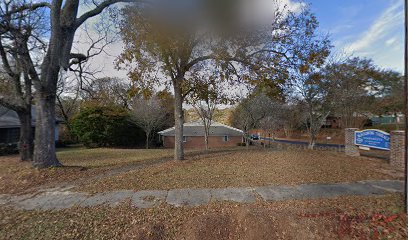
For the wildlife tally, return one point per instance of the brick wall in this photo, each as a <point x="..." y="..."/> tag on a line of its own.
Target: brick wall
<point x="397" y="158"/>
<point x="198" y="142"/>
<point x="350" y="148"/>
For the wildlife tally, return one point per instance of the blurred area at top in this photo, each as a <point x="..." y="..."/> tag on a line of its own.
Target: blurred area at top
<point x="225" y="15"/>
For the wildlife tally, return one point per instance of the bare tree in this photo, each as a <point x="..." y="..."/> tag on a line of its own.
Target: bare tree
<point x="205" y="110"/>
<point x="309" y="90"/>
<point x="250" y="112"/>
<point x="293" y="119"/>
<point x="314" y="103"/>
<point x="149" y="114"/>
<point x="108" y="91"/>
<point x="64" y="22"/>
<point x="208" y="94"/>
<point x="351" y="85"/>
<point x="20" y="35"/>
<point x="274" y="119"/>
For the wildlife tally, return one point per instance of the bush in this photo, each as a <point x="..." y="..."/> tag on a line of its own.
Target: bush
<point x="106" y="126"/>
<point x="7" y="149"/>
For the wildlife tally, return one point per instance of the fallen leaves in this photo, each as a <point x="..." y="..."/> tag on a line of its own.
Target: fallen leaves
<point x="373" y="225"/>
<point x="295" y="219"/>
<point x="17" y="176"/>
<point x="247" y="169"/>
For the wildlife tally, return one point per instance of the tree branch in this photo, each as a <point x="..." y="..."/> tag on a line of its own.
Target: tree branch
<point x="5" y="61"/>
<point x="197" y="60"/>
<point x="6" y="102"/>
<point x="27" y="7"/>
<point x="97" y="10"/>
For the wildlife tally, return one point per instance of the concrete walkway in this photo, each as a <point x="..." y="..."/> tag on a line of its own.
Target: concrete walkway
<point x="55" y="199"/>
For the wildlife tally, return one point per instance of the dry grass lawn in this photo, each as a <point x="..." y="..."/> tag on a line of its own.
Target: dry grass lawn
<point x="342" y="218"/>
<point x="16" y="176"/>
<point x="106" y="157"/>
<point x="249" y="168"/>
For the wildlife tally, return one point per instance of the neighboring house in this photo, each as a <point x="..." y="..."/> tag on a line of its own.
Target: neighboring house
<point x="332" y="122"/>
<point x="10" y="125"/>
<point x="193" y="137"/>
<point x="337" y="122"/>
<point x="388" y="119"/>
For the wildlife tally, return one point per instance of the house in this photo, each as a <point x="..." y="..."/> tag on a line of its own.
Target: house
<point x="397" y="118"/>
<point x="332" y="122"/>
<point x="193" y="136"/>
<point x="10" y="125"/>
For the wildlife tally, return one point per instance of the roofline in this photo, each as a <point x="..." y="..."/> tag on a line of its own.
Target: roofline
<point x="203" y="135"/>
<point x="232" y="128"/>
<point x="223" y="125"/>
<point x="167" y="130"/>
<point x="10" y="126"/>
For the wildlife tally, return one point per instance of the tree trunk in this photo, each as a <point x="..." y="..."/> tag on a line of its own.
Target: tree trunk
<point x="44" y="150"/>
<point x="206" y="140"/>
<point x="46" y="89"/>
<point x="26" y="145"/>
<point x="248" y="141"/>
<point x="179" y="121"/>
<point x="147" y="139"/>
<point x="312" y="142"/>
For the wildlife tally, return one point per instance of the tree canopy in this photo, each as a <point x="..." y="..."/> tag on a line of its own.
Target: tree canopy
<point x="164" y="52"/>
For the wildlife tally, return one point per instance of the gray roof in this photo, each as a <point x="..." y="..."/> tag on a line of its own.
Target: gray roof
<point x="9" y="118"/>
<point x="195" y="129"/>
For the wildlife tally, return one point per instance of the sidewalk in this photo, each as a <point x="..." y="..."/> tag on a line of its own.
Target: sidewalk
<point x="54" y="199"/>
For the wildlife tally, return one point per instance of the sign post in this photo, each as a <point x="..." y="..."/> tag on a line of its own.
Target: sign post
<point x="406" y="104"/>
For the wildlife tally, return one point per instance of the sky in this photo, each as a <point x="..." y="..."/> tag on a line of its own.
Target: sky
<point x="361" y="28"/>
<point x="365" y="28"/>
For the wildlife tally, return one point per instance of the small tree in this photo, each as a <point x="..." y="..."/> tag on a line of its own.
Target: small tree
<point x="149" y="114"/>
<point x="274" y="120"/>
<point x="207" y="95"/>
<point x="205" y="110"/>
<point x="314" y="103"/>
<point x="309" y="89"/>
<point x="250" y="112"/>
<point x="293" y="119"/>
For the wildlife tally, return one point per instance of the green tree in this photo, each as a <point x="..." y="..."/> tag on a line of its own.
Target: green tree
<point x="351" y="86"/>
<point x="106" y="126"/>
<point x="389" y="93"/>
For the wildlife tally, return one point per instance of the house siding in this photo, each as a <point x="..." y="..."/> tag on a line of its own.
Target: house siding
<point x="198" y="142"/>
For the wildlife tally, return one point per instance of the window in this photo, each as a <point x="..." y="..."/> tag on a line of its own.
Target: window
<point x="226" y="138"/>
<point x="184" y="139"/>
<point x="11" y="135"/>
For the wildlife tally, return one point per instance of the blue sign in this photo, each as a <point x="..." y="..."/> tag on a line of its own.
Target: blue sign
<point x="373" y="139"/>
